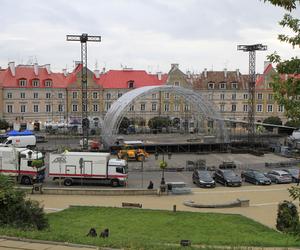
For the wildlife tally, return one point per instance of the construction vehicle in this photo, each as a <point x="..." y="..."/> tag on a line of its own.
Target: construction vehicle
<point x="129" y="152"/>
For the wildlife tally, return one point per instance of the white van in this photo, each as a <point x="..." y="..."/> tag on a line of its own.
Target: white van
<point x="28" y="141"/>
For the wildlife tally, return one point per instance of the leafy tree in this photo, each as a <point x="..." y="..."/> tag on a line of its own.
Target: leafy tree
<point x="16" y="210"/>
<point x="273" y="120"/>
<point x="3" y="124"/>
<point x="159" y="122"/>
<point x="287" y="217"/>
<point x="292" y="124"/>
<point x="286" y="83"/>
<point x="124" y="124"/>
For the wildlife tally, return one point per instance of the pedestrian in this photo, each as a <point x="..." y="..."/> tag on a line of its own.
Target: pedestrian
<point x="298" y="180"/>
<point x="150" y="186"/>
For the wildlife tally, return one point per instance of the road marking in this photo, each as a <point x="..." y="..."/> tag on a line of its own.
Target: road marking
<point x="242" y="191"/>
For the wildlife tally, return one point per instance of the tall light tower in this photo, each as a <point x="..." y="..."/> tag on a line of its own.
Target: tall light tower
<point x="83" y="39"/>
<point x="251" y="87"/>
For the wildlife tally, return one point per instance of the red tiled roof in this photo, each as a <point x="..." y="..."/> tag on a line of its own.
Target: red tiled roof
<point x="261" y="79"/>
<point x="118" y="79"/>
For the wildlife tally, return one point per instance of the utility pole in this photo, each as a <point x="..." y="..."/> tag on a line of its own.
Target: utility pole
<point x="251" y="87"/>
<point x="83" y="39"/>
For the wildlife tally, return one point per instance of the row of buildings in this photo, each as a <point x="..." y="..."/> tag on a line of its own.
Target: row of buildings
<point x="32" y="96"/>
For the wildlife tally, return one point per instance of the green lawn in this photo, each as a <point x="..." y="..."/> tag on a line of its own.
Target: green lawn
<point x="136" y="229"/>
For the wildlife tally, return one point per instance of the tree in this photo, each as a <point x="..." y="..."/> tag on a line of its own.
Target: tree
<point x="159" y="122"/>
<point x="3" y="124"/>
<point x="287" y="217"/>
<point x="124" y="125"/>
<point x="286" y="83"/>
<point x="273" y="120"/>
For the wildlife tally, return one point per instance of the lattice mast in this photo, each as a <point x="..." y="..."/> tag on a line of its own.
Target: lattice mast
<point x="83" y="39"/>
<point x="251" y="87"/>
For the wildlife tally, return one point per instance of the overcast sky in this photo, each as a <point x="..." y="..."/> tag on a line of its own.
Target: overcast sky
<point x="141" y="34"/>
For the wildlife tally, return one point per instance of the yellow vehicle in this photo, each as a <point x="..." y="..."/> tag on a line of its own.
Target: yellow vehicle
<point x="128" y="152"/>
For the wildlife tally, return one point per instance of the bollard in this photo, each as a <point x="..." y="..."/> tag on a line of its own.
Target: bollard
<point x="174" y="208"/>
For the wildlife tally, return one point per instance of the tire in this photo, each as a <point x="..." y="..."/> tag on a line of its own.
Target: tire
<point x="114" y="183"/>
<point x="26" y="180"/>
<point x="68" y="182"/>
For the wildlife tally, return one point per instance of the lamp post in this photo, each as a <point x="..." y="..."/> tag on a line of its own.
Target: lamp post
<point x="163" y="165"/>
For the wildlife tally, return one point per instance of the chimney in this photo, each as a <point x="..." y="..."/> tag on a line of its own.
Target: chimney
<point x="12" y="68"/>
<point x="205" y="72"/>
<point x="103" y="70"/>
<point x="64" y="72"/>
<point x="36" y="69"/>
<point x="174" y="65"/>
<point x="225" y="72"/>
<point x="47" y="66"/>
<point x="237" y="73"/>
<point x="159" y="76"/>
<point x="97" y="73"/>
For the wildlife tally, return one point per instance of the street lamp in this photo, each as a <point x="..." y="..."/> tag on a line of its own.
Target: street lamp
<point x="163" y="165"/>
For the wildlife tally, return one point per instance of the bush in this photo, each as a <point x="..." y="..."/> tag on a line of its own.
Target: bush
<point x="287" y="217"/>
<point x="3" y="124"/>
<point x="16" y="211"/>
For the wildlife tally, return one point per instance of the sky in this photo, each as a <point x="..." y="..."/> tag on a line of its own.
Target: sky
<point x="141" y="34"/>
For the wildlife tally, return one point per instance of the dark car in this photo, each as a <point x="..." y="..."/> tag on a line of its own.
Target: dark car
<point x="228" y="177"/>
<point x="203" y="178"/>
<point x="279" y="176"/>
<point x="255" y="177"/>
<point x="294" y="172"/>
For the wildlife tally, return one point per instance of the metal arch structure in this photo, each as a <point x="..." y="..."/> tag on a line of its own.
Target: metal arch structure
<point x="119" y="108"/>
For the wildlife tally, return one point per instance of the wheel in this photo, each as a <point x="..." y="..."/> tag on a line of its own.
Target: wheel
<point x="141" y="158"/>
<point x="26" y="180"/>
<point x="68" y="182"/>
<point x="114" y="183"/>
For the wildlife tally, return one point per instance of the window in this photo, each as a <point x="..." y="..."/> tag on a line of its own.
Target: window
<point x="48" y="95"/>
<point x="176" y="107"/>
<point x="233" y="97"/>
<point x="35" y="83"/>
<point x="222" y="85"/>
<point x="75" y="95"/>
<point x="234" y="85"/>
<point x="95" y="108"/>
<point x="186" y="107"/>
<point x="233" y="108"/>
<point x="120" y="170"/>
<point x="48" y="83"/>
<point x="210" y="96"/>
<point x="167" y="107"/>
<point x="60" y="107"/>
<point x="35" y="108"/>
<point x="270" y="96"/>
<point x="259" y="96"/>
<point x="108" y="96"/>
<point x="176" y="83"/>
<point x="153" y="96"/>
<point x="222" y="96"/>
<point x="107" y="105"/>
<point x="154" y="107"/>
<point x="35" y="95"/>
<point x="130" y="84"/>
<point x="22" y="83"/>
<point x="131" y="108"/>
<point x="245" y="96"/>
<point x="23" y="108"/>
<point x="48" y="108"/>
<point x="84" y="95"/>
<point x="143" y="106"/>
<point x="280" y="108"/>
<point x="95" y="95"/>
<point x="22" y="95"/>
<point x="9" y="108"/>
<point x="259" y="108"/>
<point x="222" y="107"/>
<point x="9" y="95"/>
<point x="84" y="108"/>
<point x="211" y="85"/>
<point x="270" y="108"/>
<point x="60" y="95"/>
<point x="75" y="107"/>
<point x="245" y="108"/>
<point x="167" y="95"/>
<point x="120" y="94"/>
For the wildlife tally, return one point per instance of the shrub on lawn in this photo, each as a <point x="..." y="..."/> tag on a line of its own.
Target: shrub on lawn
<point x="287" y="217"/>
<point x="16" y="211"/>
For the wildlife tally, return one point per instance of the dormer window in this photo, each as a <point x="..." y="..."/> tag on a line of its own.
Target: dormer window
<point x="130" y="84"/>
<point x="222" y="85"/>
<point x="48" y="83"/>
<point x="211" y="85"/>
<point x="22" y="82"/>
<point x="234" y="85"/>
<point x="35" y="83"/>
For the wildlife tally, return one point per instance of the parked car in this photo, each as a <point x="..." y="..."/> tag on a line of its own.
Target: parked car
<point x="228" y="177"/>
<point x="279" y="176"/>
<point x="227" y="165"/>
<point x="203" y="178"/>
<point x="255" y="177"/>
<point x="294" y="172"/>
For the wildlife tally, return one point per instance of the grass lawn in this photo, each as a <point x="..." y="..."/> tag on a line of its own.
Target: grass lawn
<point x="147" y="229"/>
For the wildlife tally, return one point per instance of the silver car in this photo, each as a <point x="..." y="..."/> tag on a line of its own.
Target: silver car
<point x="279" y="176"/>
